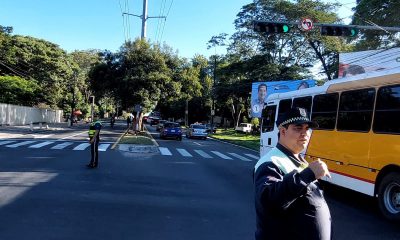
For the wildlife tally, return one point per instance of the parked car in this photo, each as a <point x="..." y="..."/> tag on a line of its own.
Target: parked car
<point x="197" y="131"/>
<point x="160" y="125"/>
<point x="154" y="121"/>
<point x="171" y="130"/>
<point x="244" y="127"/>
<point x="211" y="128"/>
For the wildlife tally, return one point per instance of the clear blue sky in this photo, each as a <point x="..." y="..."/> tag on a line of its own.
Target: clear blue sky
<point x="84" y="24"/>
<point x="98" y="24"/>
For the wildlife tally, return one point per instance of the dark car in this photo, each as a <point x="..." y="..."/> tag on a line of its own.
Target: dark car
<point x="171" y="130"/>
<point x="160" y="125"/>
<point x="154" y="121"/>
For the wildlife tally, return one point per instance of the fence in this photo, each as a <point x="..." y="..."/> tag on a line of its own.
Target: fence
<point x="21" y="115"/>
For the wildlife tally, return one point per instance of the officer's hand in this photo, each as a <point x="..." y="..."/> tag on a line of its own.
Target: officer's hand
<point x="319" y="169"/>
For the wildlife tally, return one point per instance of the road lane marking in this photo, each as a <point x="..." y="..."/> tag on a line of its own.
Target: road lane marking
<point x="203" y="154"/>
<point x="165" y="151"/>
<point x="20" y="144"/>
<point x="221" y="155"/>
<point x="6" y="142"/>
<point x="81" y="146"/>
<point x="103" y="147"/>
<point x="183" y="152"/>
<point x="240" y="157"/>
<point x="252" y="156"/>
<point x="39" y="145"/>
<point x="62" y="145"/>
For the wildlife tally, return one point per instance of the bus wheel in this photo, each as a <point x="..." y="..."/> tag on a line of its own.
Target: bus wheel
<point x="389" y="196"/>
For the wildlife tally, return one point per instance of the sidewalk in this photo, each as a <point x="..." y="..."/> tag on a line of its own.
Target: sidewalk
<point x="35" y="128"/>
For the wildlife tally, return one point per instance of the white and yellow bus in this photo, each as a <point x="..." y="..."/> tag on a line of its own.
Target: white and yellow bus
<point x="358" y="135"/>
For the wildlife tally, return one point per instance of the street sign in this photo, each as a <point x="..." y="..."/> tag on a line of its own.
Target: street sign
<point x="212" y="112"/>
<point x="306" y="24"/>
<point x="138" y="108"/>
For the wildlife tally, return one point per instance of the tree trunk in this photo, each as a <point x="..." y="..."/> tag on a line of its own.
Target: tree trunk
<point x="319" y="55"/>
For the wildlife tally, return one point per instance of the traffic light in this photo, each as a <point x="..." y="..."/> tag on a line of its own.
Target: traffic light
<point x="338" y="30"/>
<point x="91" y="99"/>
<point x="271" y="27"/>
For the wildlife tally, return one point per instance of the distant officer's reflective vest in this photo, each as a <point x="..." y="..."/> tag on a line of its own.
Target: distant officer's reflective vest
<point x="92" y="129"/>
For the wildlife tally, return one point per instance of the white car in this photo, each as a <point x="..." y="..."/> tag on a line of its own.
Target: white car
<point x="197" y="131"/>
<point x="244" y="127"/>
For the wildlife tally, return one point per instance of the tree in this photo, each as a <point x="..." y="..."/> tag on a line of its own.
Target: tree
<point x="295" y="48"/>
<point x="378" y="12"/>
<point x="39" y="60"/>
<point x="18" y="91"/>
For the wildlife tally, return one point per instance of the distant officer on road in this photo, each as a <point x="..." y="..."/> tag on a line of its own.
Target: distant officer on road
<point x="288" y="199"/>
<point x="94" y="139"/>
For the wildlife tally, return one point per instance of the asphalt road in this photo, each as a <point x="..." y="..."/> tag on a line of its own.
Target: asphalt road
<point x="193" y="189"/>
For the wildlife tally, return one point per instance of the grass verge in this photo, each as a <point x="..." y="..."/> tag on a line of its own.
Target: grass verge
<point x="241" y="139"/>
<point x="141" y="138"/>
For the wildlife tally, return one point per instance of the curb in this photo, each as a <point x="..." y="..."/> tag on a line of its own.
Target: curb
<point x="137" y="148"/>
<point x="219" y="140"/>
<point x="119" y="139"/>
<point x="152" y="139"/>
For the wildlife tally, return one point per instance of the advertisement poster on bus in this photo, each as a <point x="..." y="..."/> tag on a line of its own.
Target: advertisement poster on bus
<point x="261" y="90"/>
<point x="354" y="63"/>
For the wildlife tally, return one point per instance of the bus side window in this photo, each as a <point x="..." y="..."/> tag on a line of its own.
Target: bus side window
<point x="268" y="118"/>
<point x="387" y="110"/>
<point x="284" y="106"/>
<point x="355" y="110"/>
<point x="324" y="110"/>
<point x="303" y="102"/>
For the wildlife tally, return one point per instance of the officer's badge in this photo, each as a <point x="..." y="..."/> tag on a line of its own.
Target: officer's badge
<point x="303" y="112"/>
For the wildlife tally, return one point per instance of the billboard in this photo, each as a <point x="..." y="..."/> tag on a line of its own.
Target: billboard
<point x="354" y="63"/>
<point x="261" y="90"/>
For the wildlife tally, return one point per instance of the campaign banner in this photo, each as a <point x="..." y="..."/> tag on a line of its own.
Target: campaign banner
<point x="261" y="90"/>
<point x="354" y="63"/>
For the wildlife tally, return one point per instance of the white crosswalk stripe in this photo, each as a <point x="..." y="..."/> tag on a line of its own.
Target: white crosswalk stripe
<point x="15" y="145"/>
<point x="221" y="155"/>
<point x="203" y="154"/>
<point x="184" y="153"/>
<point x="165" y="151"/>
<point x="6" y="142"/>
<point x="251" y="155"/>
<point x="62" y="145"/>
<point x="240" y="157"/>
<point x="103" y="147"/>
<point x="82" y="146"/>
<point x="42" y="144"/>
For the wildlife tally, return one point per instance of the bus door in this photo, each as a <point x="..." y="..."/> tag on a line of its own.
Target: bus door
<point x="268" y="129"/>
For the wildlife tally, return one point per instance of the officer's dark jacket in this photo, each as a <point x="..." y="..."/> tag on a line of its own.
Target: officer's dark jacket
<point x="289" y="202"/>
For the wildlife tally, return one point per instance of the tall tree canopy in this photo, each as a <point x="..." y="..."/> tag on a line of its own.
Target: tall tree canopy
<point x="384" y="13"/>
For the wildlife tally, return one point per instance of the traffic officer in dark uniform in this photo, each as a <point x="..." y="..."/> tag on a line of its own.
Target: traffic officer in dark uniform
<point x="94" y="139"/>
<point x="288" y="199"/>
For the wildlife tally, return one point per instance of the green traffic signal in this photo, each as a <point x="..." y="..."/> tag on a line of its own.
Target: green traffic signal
<point x="353" y="32"/>
<point x="285" y="28"/>
<point x="271" y="27"/>
<point x="338" y="30"/>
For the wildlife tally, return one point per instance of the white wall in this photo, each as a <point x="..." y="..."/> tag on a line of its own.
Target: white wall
<point x="21" y="115"/>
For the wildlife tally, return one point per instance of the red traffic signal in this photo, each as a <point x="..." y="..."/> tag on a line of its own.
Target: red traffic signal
<point x="271" y="27"/>
<point x="338" y="30"/>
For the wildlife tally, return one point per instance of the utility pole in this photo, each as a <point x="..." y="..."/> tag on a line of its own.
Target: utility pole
<point x="212" y="96"/>
<point x="144" y="18"/>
